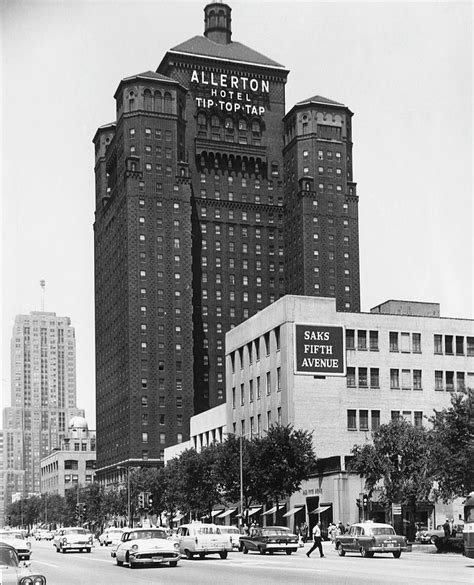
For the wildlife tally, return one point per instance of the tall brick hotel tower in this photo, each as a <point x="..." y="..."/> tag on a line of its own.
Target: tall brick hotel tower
<point x="211" y="203"/>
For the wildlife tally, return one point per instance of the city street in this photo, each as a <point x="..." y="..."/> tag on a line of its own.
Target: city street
<point x="98" y="568"/>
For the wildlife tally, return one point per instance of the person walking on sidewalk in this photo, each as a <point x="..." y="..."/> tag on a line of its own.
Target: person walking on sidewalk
<point x="317" y="540"/>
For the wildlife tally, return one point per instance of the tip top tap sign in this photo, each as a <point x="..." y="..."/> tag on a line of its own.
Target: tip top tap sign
<point x="230" y="93"/>
<point x="320" y="350"/>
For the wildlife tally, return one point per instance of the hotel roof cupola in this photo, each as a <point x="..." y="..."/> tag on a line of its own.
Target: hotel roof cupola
<point x="217" y="23"/>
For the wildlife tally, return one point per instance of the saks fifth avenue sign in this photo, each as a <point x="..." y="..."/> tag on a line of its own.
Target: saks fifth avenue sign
<point x="320" y="350"/>
<point x="230" y="93"/>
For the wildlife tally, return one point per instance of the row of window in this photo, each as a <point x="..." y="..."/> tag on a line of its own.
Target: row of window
<point x="255" y="424"/>
<point x="162" y="438"/>
<point x="404" y="379"/>
<point x="148" y="134"/>
<point x="361" y="419"/>
<point x="244" y="197"/>
<point x="453" y="345"/>
<point x="255" y="390"/>
<point x="162" y="399"/>
<point x="253" y="348"/>
<point x="243" y="180"/>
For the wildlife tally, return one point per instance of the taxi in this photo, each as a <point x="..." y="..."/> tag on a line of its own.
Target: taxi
<point x="368" y="538"/>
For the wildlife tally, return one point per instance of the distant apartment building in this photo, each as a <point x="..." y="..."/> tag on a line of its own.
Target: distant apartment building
<point x="43" y="397"/>
<point x="72" y="464"/>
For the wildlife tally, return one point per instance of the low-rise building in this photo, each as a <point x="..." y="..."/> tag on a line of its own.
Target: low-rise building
<point x="73" y="463"/>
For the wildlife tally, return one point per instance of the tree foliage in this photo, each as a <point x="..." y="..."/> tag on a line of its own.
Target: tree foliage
<point x="452" y="447"/>
<point x="397" y="462"/>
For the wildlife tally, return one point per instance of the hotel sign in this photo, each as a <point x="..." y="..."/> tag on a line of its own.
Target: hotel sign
<point x="230" y="93"/>
<point x="320" y="350"/>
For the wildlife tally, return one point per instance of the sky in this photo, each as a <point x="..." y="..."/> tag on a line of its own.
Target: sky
<point x="403" y="68"/>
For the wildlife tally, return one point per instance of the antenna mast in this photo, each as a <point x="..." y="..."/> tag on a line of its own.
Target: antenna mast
<point x="43" y="286"/>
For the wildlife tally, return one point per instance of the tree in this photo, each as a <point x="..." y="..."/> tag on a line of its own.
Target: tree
<point x="284" y="458"/>
<point x="397" y="462"/>
<point x="452" y="447"/>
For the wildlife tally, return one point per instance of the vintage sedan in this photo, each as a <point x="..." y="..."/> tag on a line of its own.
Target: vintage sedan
<point x="73" y="538"/>
<point x="16" y="572"/>
<point x="17" y="539"/>
<point x="269" y="539"/>
<point x="234" y="535"/>
<point x="368" y="538"/>
<point x="144" y="546"/>
<point x="110" y="536"/>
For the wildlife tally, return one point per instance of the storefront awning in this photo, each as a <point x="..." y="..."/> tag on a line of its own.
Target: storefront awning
<point x="293" y="511"/>
<point x="227" y="513"/>
<point x="254" y="510"/>
<point x="272" y="510"/>
<point x="215" y="512"/>
<point x="320" y="510"/>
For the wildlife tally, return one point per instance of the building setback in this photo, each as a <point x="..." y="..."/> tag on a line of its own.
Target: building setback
<point x="196" y="213"/>
<point x="43" y="397"/>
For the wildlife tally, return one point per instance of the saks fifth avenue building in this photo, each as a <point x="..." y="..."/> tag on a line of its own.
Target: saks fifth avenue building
<point x="339" y="375"/>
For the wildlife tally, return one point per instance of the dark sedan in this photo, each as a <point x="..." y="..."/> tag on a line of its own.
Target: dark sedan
<point x="368" y="538"/>
<point x="270" y="539"/>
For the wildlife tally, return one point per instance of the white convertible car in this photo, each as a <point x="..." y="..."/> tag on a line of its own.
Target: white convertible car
<point x="144" y="546"/>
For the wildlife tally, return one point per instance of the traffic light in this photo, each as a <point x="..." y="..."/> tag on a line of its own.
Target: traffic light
<point x="365" y="501"/>
<point x="141" y="500"/>
<point x="78" y="509"/>
<point x="84" y="509"/>
<point x="150" y="501"/>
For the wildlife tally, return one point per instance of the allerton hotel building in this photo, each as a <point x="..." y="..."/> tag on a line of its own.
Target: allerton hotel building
<point x="212" y="202"/>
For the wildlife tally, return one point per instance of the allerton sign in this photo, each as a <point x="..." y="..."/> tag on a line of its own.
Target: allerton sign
<point x="320" y="350"/>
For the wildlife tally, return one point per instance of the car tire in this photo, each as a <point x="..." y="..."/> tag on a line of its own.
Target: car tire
<point x="340" y="551"/>
<point x="63" y="550"/>
<point x="397" y="554"/>
<point x="364" y="553"/>
<point x="270" y="552"/>
<point x="261" y="550"/>
<point x="88" y="550"/>
<point x="288" y="552"/>
<point x="223" y="554"/>
<point x="188" y="553"/>
<point x="202" y="555"/>
<point x="245" y="550"/>
<point x="173" y="563"/>
<point x="119" y="563"/>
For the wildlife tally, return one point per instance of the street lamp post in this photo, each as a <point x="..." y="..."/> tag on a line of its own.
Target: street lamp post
<point x="241" y="481"/>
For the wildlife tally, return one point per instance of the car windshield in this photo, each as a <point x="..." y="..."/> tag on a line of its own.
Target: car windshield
<point x="382" y="530"/>
<point x="144" y="534"/>
<point x="8" y="557"/>
<point x="208" y="530"/>
<point x="76" y="531"/>
<point x="11" y="535"/>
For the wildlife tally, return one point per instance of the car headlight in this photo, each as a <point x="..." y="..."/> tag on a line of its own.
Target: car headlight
<point x="134" y="547"/>
<point x="176" y="545"/>
<point x="33" y="580"/>
<point x="64" y="540"/>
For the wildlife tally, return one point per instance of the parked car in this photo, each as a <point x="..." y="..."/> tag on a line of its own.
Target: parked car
<point x="13" y="571"/>
<point x="73" y="538"/>
<point x="202" y="539"/>
<point x="270" y="539"/>
<point x="110" y="536"/>
<point x="453" y="542"/>
<point x="368" y="538"/>
<point x="140" y="546"/>
<point x="234" y="535"/>
<point x="17" y="539"/>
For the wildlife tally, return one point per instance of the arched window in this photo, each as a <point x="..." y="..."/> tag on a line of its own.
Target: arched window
<point x="256" y="127"/>
<point x="212" y="19"/>
<point x="202" y="124"/>
<point x="229" y="125"/>
<point x="131" y="101"/>
<point x="167" y="103"/>
<point x="215" y="122"/>
<point x="158" y="102"/>
<point x="242" y="125"/>
<point x="147" y="100"/>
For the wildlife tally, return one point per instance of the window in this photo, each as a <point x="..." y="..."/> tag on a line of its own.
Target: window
<point x="351" y="420"/>
<point x="361" y="340"/>
<point x="144" y="437"/>
<point x="250" y="390"/>
<point x="393" y="341"/>
<point x="162" y="438"/>
<point x="394" y="378"/>
<point x="417" y="380"/>
<point x="375" y="416"/>
<point x="470" y="345"/>
<point x="351" y="377"/>
<point x="406" y="380"/>
<point x="448" y="344"/>
<point x="258" y="388"/>
<point x="416" y="342"/>
<point x="363" y="377"/>
<point x="278" y="379"/>
<point x="242" y="395"/>
<point x="449" y="381"/>
<point x="364" y="420"/>
<point x="350" y="339"/>
<point x="439" y="380"/>
<point x="418" y="419"/>
<point x="233" y="397"/>
<point x="438" y="343"/>
<point x="460" y="381"/>
<point x="374" y="378"/>
<point x="405" y="342"/>
<point x="459" y="345"/>
<point x="268" y="381"/>
<point x="374" y="340"/>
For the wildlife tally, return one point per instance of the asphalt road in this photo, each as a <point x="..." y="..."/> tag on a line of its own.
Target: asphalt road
<point x="98" y="568"/>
